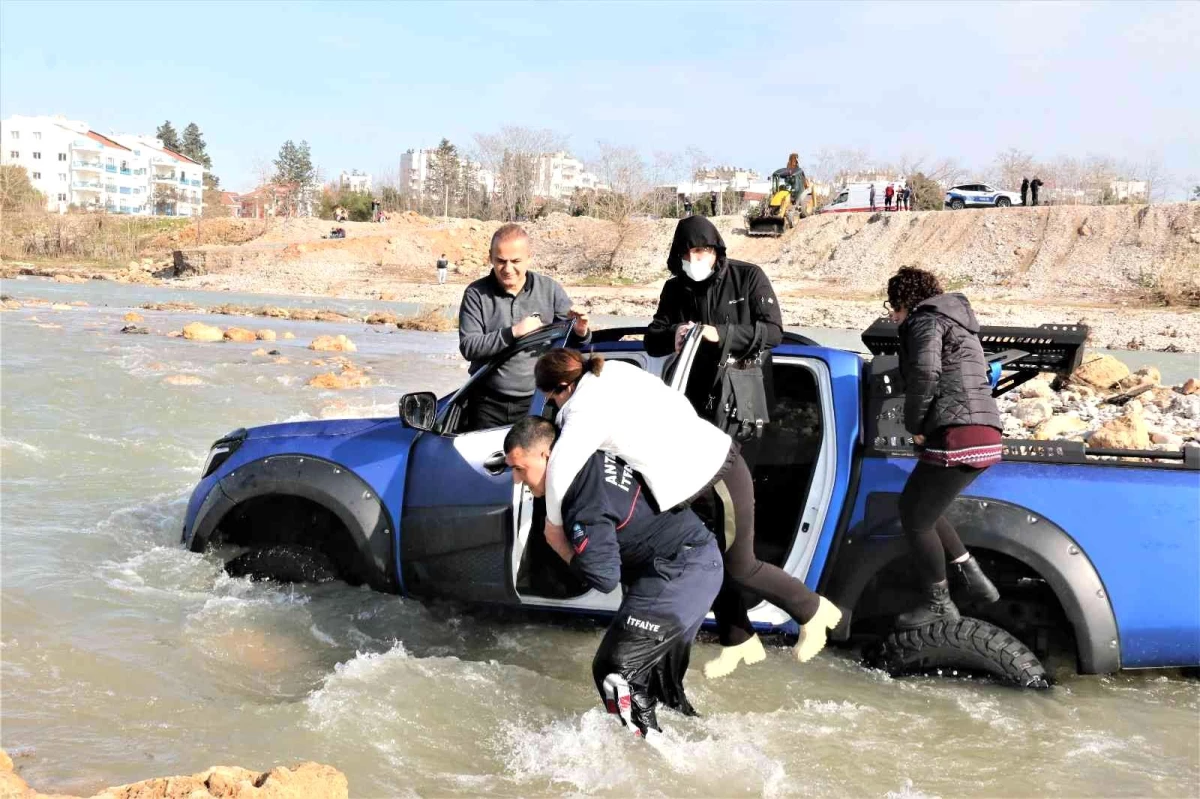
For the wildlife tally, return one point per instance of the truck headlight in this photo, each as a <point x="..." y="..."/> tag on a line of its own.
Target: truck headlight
<point x="221" y="449"/>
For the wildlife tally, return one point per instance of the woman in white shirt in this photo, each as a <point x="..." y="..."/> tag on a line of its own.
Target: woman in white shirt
<point x="621" y="409"/>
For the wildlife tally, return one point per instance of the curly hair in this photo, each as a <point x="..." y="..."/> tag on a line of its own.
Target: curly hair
<point x="910" y="287"/>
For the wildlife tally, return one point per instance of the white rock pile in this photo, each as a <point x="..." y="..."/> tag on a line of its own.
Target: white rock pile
<point x="1106" y="406"/>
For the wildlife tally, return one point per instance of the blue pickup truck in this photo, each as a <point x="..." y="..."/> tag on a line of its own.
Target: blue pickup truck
<point x="1096" y="553"/>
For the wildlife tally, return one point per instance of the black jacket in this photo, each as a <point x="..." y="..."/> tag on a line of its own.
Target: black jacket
<point x="737" y="299"/>
<point x="944" y="369"/>
<point x="614" y="529"/>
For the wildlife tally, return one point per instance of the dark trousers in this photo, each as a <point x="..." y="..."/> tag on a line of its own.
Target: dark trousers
<point x="927" y="494"/>
<point x="727" y="506"/>
<point x="649" y="642"/>
<point x="489" y="410"/>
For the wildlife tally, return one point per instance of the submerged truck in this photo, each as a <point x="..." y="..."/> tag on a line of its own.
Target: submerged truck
<point x="1096" y="552"/>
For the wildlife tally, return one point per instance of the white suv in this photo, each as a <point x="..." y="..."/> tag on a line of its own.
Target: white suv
<point x="980" y="195"/>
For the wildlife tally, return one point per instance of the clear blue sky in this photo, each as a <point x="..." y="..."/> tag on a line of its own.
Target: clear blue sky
<point x="744" y="82"/>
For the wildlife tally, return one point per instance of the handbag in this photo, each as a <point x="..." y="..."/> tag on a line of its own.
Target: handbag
<point x="738" y="401"/>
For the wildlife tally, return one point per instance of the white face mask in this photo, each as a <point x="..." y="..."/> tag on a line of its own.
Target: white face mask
<point x="699" y="269"/>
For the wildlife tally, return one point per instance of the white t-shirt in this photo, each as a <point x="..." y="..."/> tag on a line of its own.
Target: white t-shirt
<point x="640" y="419"/>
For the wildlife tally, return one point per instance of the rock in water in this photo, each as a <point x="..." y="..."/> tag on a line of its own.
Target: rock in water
<point x="140" y="331"/>
<point x="332" y="344"/>
<point x="240" y="335"/>
<point x="133" y="317"/>
<point x="198" y="331"/>
<point x="1101" y="371"/>
<point x="265" y="335"/>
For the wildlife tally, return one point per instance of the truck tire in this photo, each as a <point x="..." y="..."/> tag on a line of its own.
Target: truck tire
<point x="1003" y="202"/>
<point x="956" y="204"/>
<point x="284" y="563"/>
<point x="970" y="645"/>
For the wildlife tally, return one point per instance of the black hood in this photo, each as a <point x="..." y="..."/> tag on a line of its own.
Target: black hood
<point x="953" y="306"/>
<point x="695" y="231"/>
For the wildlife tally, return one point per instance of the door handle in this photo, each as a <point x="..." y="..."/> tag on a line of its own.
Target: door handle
<point x="495" y="464"/>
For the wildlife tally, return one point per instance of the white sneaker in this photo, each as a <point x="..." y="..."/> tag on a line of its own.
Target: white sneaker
<point x="813" y="634"/>
<point x="722" y="665"/>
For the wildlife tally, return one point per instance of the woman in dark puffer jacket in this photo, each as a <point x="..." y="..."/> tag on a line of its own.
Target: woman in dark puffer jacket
<point x="955" y="425"/>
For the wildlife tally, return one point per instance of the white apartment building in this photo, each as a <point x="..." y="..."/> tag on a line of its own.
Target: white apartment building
<point x="73" y="165"/>
<point x="415" y="166"/>
<point x="560" y="174"/>
<point x="1128" y="189"/>
<point x="355" y="181"/>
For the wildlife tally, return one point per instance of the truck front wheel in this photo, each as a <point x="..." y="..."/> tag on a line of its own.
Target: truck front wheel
<point x="967" y="645"/>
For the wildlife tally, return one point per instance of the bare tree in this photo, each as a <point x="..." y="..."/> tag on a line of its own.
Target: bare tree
<point x="836" y="165"/>
<point x="1011" y="167"/>
<point x="1158" y="180"/>
<point x="514" y="157"/>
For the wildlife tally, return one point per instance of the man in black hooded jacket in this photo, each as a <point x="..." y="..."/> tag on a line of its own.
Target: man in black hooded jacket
<point x="732" y="299"/>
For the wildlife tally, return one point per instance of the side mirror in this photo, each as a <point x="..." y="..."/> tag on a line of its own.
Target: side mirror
<point x="419" y="410"/>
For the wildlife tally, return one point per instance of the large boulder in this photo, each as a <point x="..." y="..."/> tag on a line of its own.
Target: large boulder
<point x="1127" y="431"/>
<point x="349" y="378"/>
<point x="1034" y="411"/>
<point x="1190" y="387"/>
<point x="265" y="335"/>
<point x="1057" y="427"/>
<point x="287" y="334"/>
<point x="337" y="343"/>
<point x="134" y="317"/>
<point x="1036" y="388"/>
<point x="198" y="331"/>
<point x="240" y="335"/>
<point x="1101" y="371"/>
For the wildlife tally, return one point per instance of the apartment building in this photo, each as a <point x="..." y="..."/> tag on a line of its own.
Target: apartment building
<point x="416" y="164"/>
<point x="560" y="174"/>
<point x="355" y="181"/>
<point x="74" y="166"/>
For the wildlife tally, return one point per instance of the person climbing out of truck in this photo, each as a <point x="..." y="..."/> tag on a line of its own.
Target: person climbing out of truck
<point x="510" y="302"/>
<point x="730" y="385"/>
<point x="623" y="410"/>
<point x="955" y="425"/>
<point x="667" y="563"/>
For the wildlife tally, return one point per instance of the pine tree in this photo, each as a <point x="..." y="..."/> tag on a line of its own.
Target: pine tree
<point x="167" y="135"/>
<point x="442" y="180"/>
<point x="193" y="145"/>
<point x="294" y="164"/>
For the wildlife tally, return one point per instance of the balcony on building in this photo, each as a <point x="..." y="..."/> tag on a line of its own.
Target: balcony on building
<point x="126" y="171"/>
<point x="87" y="166"/>
<point x="110" y="168"/>
<point x="166" y="177"/>
<point x="87" y="145"/>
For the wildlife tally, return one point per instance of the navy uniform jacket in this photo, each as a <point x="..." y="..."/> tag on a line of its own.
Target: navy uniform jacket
<point x="614" y="529"/>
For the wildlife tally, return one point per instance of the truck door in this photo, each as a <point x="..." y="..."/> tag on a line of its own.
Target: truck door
<point x="461" y="508"/>
<point x="795" y="466"/>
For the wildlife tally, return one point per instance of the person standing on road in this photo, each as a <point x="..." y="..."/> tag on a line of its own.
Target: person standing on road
<point x="442" y="266"/>
<point x="1034" y="186"/>
<point x="712" y="199"/>
<point x="872" y="196"/>
<point x="496" y="310"/>
<point x="1024" y="191"/>
<point x="955" y="424"/>
<point x="888" y="194"/>
<point x="667" y="564"/>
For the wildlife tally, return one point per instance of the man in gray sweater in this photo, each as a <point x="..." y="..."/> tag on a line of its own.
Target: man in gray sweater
<point x="496" y="310"/>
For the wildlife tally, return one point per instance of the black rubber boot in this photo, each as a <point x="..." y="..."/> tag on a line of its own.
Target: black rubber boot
<point x="969" y="585"/>
<point x="935" y="606"/>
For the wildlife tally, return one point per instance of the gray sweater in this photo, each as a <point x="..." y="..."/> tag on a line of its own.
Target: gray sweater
<point x="485" y="321"/>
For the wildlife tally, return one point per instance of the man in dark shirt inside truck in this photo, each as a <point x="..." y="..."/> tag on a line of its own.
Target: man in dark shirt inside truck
<point x="496" y="310"/>
<point x="667" y="563"/>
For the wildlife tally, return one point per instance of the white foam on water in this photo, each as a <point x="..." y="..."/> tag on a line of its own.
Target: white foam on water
<point x="323" y="637"/>
<point x="593" y="752"/>
<point x="22" y="447"/>
<point x="907" y="791"/>
<point x="1097" y="744"/>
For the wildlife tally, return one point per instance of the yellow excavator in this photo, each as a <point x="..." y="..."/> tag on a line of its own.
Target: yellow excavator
<point x="791" y="197"/>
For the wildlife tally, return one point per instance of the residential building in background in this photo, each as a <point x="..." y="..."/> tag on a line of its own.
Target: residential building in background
<point x="560" y="174"/>
<point x="76" y="167"/>
<point x="1123" y="190"/>
<point x="355" y="181"/>
<point x="416" y="164"/>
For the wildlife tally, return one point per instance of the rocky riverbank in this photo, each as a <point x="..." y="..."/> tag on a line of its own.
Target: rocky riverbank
<point x="302" y="781"/>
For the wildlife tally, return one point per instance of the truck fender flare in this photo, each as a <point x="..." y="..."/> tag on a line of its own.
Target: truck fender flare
<point x="328" y="484"/>
<point x="1019" y="533"/>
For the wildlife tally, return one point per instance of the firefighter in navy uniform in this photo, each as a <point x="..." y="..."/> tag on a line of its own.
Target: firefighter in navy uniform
<point x="667" y="562"/>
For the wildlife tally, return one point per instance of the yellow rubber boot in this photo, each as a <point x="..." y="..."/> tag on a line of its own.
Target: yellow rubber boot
<point x="722" y="665"/>
<point x="813" y="634"/>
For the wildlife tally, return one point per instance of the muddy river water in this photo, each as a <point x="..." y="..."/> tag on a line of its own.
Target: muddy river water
<point x="125" y="657"/>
